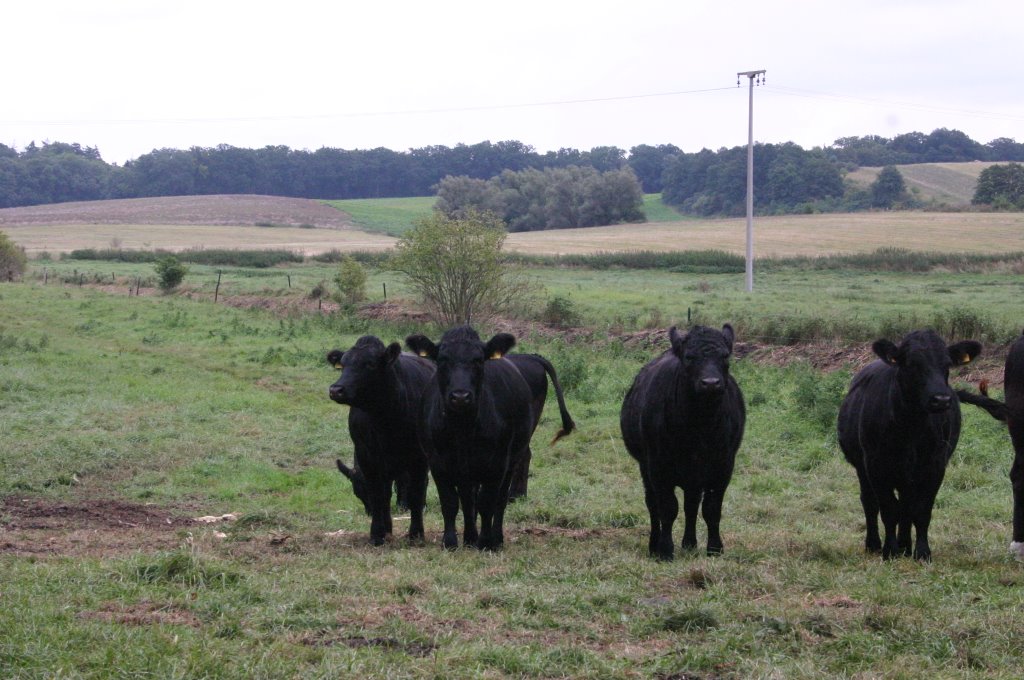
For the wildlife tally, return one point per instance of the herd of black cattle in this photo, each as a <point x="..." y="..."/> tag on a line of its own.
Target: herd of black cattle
<point x="465" y="410"/>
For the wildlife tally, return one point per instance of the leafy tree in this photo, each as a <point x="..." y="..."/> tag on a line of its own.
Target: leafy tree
<point x="170" y="272"/>
<point x="1001" y="186"/>
<point x="351" y="281"/>
<point x="888" y="189"/>
<point x="12" y="259"/>
<point x="455" y="265"/>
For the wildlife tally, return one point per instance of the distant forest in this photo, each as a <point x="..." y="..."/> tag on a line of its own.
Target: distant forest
<point x="788" y="178"/>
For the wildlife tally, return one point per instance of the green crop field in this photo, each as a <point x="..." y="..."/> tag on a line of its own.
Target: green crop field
<point x="391" y="216"/>
<point x="123" y="418"/>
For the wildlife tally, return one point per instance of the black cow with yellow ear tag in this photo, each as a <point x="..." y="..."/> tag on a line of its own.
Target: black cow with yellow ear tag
<point x="475" y="428"/>
<point x="382" y="388"/>
<point x="898" y="426"/>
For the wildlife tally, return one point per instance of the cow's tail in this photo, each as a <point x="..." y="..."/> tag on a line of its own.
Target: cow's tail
<point x="568" y="425"/>
<point x="994" y="407"/>
<point x="344" y="469"/>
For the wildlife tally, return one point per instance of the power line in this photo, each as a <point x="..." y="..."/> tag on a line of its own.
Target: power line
<point x="360" y="114"/>
<point x="874" y="101"/>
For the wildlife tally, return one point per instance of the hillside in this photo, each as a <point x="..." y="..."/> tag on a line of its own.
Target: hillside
<point x="949" y="184"/>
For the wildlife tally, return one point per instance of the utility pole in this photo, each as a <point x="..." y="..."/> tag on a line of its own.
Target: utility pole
<point x="758" y="77"/>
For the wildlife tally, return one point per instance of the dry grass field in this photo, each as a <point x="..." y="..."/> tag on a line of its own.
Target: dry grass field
<point x="230" y="222"/>
<point x="794" y="234"/>
<point x="944" y="183"/>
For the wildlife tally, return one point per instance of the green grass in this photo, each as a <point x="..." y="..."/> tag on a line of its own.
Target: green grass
<point x="392" y="216"/>
<point x="205" y="409"/>
<point x="657" y="211"/>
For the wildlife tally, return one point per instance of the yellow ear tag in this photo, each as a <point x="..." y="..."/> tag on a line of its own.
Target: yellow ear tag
<point x="338" y="366"/>
<point x="496" y="355"/>
<point x="423" y="354"/>
<point x="967" y="359"/>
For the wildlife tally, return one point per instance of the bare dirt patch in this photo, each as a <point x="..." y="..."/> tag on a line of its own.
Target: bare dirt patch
<point x="143" y="613"/>
<point x="225" y="209"/>
<point x="93" y="528"/>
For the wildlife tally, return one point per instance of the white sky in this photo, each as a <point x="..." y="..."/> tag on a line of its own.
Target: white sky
<point x="130" y="76"/>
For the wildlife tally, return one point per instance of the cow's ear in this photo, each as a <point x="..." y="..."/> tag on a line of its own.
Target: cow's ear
<point x="729" y="335"/>
<point x="392" y="352"/>
<point x="886" y="350"/>
<point x="334" y="358"/>
<point x="422" y="345"/>
<point x="499" y="345"/>
<point x="677" y="340"/>
<point x="964" y="352"/>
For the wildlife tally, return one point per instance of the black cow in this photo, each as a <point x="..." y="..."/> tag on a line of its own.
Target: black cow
<point x="475" y="427"/>
<point x="898" y="426"/>
<point x="383" y="387"/>
<point x="682" y="420"/>
<point x="535" y="369"/>
<point x="1013" y="413"/>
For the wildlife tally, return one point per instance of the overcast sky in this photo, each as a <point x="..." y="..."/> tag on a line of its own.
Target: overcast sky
<point x="130" y="76"/>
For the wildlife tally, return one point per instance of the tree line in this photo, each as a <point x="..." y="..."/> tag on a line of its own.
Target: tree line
<point x="788" y="178"/>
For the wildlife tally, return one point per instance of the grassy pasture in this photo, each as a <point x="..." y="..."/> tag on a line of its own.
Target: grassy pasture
<point x="789" y="304"/>
<point x="390" y="216"/>
<point x="175" y="408"/>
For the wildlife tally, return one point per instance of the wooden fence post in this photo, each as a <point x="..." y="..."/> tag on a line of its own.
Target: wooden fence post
<point x="216" y="292"/>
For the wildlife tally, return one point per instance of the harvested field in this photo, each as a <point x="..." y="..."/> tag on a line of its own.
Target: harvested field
<point x="793" y="235"/>
<point x="181" y="222"/>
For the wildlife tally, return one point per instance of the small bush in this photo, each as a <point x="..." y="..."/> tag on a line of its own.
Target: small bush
<point x="12" y="259"/>
<point x="351" y="281"/>
<point x="170" y="273"/>
<point x="561" y="311"/>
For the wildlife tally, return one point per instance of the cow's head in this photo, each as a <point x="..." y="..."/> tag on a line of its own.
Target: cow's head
<point x="460" y="361"/>
<point x="922" y="364"/>
<point x="355" y="476"/>
<point x="362" y="369"/>
<point x="704" y="353"/>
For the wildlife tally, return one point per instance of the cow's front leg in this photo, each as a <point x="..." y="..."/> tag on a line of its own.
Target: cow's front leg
<point x="712" y="511"/>
<point x="449" y="500"/>
<point x="380" y="509"/>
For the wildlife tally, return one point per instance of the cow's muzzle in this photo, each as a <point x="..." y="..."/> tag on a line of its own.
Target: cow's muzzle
<point x="939" y="403"/>
<point x="460" y="400"/>
<point x="338" y="394"/>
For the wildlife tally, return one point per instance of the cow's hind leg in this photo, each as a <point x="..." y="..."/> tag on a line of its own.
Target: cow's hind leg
<point x="668" y="510"/>
<point x="691" y="506"/>
<point x="652" y="511"/>
<point x="1017" y="483"/>
<point x="416" y="494"/>
<point x="889" y="507"/>
<point x="468" y="497"/>
<point x="872" y="541"/>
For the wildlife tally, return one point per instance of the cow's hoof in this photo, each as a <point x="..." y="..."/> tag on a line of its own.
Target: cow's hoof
<point x="1017" y="550"/>
<point x="715" y="551"/>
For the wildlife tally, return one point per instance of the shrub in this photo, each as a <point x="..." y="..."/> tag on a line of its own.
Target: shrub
<point x="351" y="281"/>
<point x="561" y="311"/>
<point x="12" y="259"/>
<point x="170" y="273"/>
